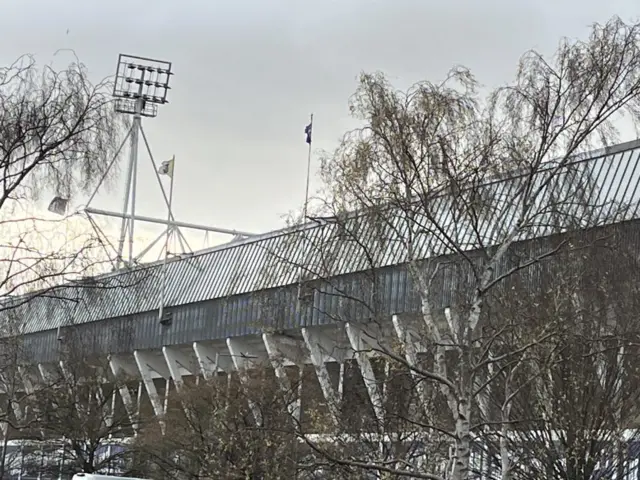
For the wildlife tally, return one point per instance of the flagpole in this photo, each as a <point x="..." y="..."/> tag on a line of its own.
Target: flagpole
<point x="301" y="268"/>
<point x="168" y="237"/>
<point x="306" y="193"/>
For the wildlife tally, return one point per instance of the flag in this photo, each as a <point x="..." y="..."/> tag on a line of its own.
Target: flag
<point x="58" y="205"/>
<point x="166" y="168"/>
<point x="307" y="131"/>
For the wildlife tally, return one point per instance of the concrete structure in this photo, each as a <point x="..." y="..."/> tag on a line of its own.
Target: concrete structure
<point x="241" y="304"/>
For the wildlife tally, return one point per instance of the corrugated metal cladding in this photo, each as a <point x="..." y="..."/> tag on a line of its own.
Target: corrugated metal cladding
<point x="607" y="183"/>
<point x="353" y="297"/>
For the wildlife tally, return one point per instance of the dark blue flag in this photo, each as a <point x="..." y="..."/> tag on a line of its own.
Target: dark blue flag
<point x="307" y="131"/>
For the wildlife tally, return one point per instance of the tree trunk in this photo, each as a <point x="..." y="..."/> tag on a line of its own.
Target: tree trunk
<point x="3" y="459"/>
<point x="505" y="462"/>
<point x="460" y="470"/>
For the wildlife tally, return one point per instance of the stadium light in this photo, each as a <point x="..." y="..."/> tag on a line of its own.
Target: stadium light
<point x="141" y="85"/>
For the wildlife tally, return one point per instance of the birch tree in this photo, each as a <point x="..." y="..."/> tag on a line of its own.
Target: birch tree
<point x="58" y="135"/>
<point x="453" y="186"/>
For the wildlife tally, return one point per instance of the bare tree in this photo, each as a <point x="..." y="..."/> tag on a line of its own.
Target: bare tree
<point x="221" y="428"/>
<point x="569" y="410"/>
<point x="81" y="413"/>
<point x="16" y="418"/>
<point x="58" y="135"/>
<point x="57" y="130"/>
<point x="455" y="188"/>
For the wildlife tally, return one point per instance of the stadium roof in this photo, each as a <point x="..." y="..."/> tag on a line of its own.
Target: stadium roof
<point x="599" y="189"/>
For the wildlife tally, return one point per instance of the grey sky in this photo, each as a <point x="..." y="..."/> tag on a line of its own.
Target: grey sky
<point x="248" y="73"/>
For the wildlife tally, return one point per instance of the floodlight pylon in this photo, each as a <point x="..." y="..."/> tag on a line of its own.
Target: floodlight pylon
<point x="141" y="86"/>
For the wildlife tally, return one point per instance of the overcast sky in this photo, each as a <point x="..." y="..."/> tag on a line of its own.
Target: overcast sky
<point x="248" y="73"/>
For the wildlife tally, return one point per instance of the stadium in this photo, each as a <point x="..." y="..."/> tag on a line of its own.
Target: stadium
<point x="290" y="300"/>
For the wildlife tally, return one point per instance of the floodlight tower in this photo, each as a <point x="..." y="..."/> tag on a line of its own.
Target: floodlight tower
<point x="141" y="85"/>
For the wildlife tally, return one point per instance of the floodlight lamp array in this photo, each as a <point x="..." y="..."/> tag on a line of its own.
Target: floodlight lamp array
<point x="129" y="106"/>
<point x="141" y="79"/>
